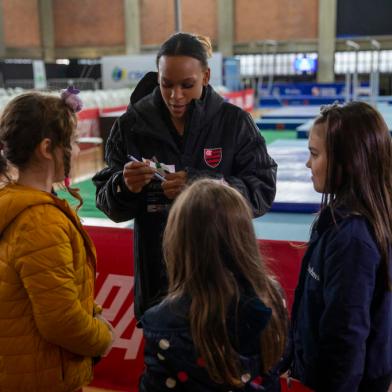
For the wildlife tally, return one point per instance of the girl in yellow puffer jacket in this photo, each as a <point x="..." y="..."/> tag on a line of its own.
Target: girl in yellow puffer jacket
<point x="49" y="330"/>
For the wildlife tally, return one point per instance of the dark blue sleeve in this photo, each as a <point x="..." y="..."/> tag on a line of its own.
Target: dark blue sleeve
<point x="349" y="281"/>
<point x="157" y="376"/>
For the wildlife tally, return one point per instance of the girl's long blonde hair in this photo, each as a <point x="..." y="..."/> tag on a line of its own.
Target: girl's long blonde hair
<point x="209" y="247"/>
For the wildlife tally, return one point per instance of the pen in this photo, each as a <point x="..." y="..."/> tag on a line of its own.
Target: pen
<point x="156" y="175"/>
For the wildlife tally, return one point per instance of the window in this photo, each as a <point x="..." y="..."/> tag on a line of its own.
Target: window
<point x="270" y="64"/>
<point x="366" y="62"/>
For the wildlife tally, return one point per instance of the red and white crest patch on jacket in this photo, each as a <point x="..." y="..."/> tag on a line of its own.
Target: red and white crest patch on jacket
<point x="213" y="156"/>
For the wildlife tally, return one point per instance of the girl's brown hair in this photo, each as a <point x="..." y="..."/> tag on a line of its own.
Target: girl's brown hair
<point x="209" y="243"/>
<point x="26" y="121"/>
<point x="359" y="168"/>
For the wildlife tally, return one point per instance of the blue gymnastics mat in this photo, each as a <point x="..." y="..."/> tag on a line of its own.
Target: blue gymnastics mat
<point x="303" y="130"/>
<point x="281" y="226"/>
<point x="295" y="100"/>
<point x="287" y="118"/>
<point x="279" y="124"/>
<point x="382" y="107"/>
<point x="295" y="191"/>
<point x="293" y="113"/>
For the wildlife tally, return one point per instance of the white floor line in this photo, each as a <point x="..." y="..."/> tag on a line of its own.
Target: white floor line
<point x="84" y="177"/>
<point x="106" y="222"/>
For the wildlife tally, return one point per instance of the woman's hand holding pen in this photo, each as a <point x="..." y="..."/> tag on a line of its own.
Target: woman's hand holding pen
<point x="137" y="175"/>
<point x="174" y="183"/>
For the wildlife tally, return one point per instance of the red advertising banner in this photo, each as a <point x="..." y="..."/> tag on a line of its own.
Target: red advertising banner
<point x="121" y="368"/>
<point x="88" y="119"/>
<point x="88" y="122"/>
<point x="245" y="99"/>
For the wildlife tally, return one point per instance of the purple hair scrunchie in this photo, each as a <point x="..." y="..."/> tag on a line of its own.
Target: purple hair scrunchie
<point x="70" y="98"/>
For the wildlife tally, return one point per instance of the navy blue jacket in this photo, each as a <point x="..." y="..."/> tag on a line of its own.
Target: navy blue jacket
<point x="220" y="141"/>
<point x="342" y="312"/>
<point x="170" y="357"/>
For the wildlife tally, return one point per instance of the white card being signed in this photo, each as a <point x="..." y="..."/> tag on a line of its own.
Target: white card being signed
<point x="162" y="168"/>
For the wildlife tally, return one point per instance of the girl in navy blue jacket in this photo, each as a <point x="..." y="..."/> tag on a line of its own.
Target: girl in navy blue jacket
<point x="342" y="313"/>
<point x="223" y="323"/>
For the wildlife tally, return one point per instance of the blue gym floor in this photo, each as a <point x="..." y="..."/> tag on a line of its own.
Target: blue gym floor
<point x="300" y="118"/>
<point x="296" y="202"/>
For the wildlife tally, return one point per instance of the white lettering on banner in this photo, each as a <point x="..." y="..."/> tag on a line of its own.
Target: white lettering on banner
<point x="238" y="101"/>
<point x="88" y="127"/>
<point x="249" y="101"/>
<point x="125" y="285"/>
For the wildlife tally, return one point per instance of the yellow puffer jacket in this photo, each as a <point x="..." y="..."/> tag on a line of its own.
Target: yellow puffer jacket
<point x="48" y="334"/>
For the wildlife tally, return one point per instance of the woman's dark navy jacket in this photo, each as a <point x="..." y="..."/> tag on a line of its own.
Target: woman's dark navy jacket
<point x="342" y="312"/>
<point x="170" y="357"/>
<point x="220" y="141"/>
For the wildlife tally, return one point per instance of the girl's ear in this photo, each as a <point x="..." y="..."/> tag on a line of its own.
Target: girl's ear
<point x="206" y="77"/>
<point x="44" y="149"/>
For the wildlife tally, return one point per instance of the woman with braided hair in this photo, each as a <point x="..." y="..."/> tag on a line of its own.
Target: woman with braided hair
<point x="50" y="328"/>
<point x="176" y="118"/>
